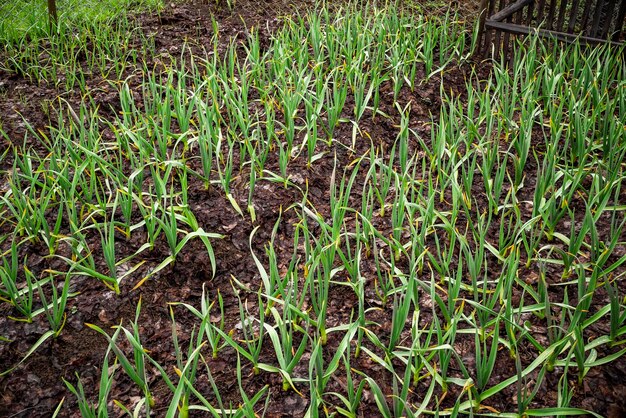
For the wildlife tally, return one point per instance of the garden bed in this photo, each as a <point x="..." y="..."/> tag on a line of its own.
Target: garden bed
<point x="336" y="212"/>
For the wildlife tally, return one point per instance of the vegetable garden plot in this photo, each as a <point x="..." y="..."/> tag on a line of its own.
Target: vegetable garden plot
<point x="342" y="215"/>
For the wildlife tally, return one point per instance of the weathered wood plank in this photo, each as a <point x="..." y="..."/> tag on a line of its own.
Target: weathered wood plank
<point x="509" y="10"/>
<point x="498" y="38"/>
<point x="573" y="16"/>
<point x="585" y="17"/>
<point x="560" y="36"/>
<point x="530" y="13"/>
<point x="490" y="9"/>
<point x="608" y="19"/>
<point x="549" y="23"/>
<point x="595" y="24"/>
<point x="519" y="19"/>
<point x="540" y="10"/>
<point x="621" y="22"/>
<point x="561" y="16"/>
<point x="481" y="24"/>
<point x="507" y="36"/>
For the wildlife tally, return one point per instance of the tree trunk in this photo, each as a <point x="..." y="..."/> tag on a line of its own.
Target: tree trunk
<point x="52" y="13"/>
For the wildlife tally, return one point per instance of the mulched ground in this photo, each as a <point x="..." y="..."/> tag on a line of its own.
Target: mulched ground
<point x="36" y="388"/>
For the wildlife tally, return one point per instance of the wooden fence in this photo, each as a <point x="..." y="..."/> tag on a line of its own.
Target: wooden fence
<point x="590" y="21"/>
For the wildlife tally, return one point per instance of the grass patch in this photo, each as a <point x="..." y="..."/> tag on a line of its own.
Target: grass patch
<point x="30" y="17"/>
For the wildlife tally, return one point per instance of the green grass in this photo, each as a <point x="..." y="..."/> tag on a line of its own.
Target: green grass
<point x="21" y="18"/>
<point x="542" y="142"/>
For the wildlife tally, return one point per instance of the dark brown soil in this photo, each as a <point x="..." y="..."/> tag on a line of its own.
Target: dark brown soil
<point x="36" y="388"/>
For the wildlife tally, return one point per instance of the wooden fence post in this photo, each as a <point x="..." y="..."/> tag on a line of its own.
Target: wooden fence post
<point x="484" y="5"/>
